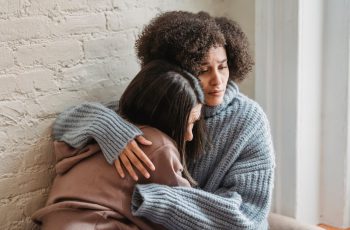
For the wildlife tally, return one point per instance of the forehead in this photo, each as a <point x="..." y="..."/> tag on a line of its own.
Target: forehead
<point x="215" y="54"/>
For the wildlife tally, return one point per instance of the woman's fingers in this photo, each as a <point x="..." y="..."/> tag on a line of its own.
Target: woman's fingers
<point x="134" y="147"/>
<point x="133" y="156"/>
<point x="119" y="168"/>
<point x="128" y="166"/>
<point x="135" y="161"/>
<point x="143" y="141"/>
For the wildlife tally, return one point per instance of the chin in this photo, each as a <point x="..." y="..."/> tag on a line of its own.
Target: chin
<point x="214" y="102"/>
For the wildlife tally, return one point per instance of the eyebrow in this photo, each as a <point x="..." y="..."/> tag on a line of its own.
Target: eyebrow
<point x="196" y="118"/>
<point x="220" y="62"/>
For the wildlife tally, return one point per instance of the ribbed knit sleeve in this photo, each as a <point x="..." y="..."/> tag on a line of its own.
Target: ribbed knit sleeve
<point x="190" y="208"/>
<point x="79" y="124"/>
<point x="235" y="178"/>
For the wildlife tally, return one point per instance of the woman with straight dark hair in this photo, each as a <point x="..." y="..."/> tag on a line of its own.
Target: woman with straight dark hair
<point x="165" y="103"/>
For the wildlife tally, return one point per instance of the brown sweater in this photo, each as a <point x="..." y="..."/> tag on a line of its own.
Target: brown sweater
<point x="88" y="194"/>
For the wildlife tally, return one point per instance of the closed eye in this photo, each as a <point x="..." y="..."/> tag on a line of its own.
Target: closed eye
<point x="203" y="71"/>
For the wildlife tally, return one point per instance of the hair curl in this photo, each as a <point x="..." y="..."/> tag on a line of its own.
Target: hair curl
<point x="184" y="39"/>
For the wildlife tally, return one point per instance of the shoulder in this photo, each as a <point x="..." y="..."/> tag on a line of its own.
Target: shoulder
<point x="254" y="126"/>
<point x="158" y="138"/>
<point x="243" y="117"/>
<point x="248" y="110"/>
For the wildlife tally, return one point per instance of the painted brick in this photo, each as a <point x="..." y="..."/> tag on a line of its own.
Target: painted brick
<point x="118" y="45"/>
<point x="29" y="82"/>
<point x="12" y="109"/>
<point x="122" y="70"/>
<point x="13" y="163"/>
<point x="72" y="5"/>
<point x="100" y="5"/>
<point x="24" y="183"/>
<point x="12" y="113"/>
<point x="39" y="154"/>
<point x="32" y="83"/>
<point x="82" y="24"/>
<point x="144" y="4"/>
<point x="24" y="28"/>
<point x="3" y="142"/>
<point x="36" y="200"/>
<point x="113" y="73"/>
<point x="22" y="205"/>
<point x="10" y="212"/>
<point x="6" y="58"/>
<point x="33" y="108"/>
<point x="120" y="5"/>
<point x="25" y="223"/>
<point x="105" y="92"/>
<point x="63" y="52"/>
<point x="8" y="7"/>
<point x="38" y="80"/>
<point x="7" y="86"/>
<point x="54" y="104"/>
<point x="39" y="7"/>
<point x="135" y="18"/>
<point x="81" y="76"/>
<point x="29" y="138"/>
<point x="41" y="26"/>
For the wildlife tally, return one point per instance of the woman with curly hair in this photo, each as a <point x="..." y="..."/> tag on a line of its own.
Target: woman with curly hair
<point x="235" y="172"/>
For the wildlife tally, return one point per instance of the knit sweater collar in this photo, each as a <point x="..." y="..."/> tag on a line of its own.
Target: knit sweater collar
<point x="230" y="93"/>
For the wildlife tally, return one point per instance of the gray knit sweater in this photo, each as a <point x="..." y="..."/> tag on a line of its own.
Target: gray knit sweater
<point x="235" y="174"/>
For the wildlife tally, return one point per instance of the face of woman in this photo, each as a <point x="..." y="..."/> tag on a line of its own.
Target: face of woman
<point x="194" y="116"/>
<point x="214" y="74"/>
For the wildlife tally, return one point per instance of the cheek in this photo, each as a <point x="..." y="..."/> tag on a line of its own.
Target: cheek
<point x="226" y="75"/>
<point x="203" y="80"/>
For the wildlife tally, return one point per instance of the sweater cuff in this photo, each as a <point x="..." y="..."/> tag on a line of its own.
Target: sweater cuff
<point x="113" y="145"/>
<point x="148" y="200"/>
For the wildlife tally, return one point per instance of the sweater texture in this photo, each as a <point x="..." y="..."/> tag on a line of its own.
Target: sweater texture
<point x="235" y="173"/>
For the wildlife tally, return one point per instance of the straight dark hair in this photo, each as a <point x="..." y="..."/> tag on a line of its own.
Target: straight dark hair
<point x="162" y="95"/>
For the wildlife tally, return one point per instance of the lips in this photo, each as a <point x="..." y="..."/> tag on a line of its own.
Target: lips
<point x="216" y="92"/>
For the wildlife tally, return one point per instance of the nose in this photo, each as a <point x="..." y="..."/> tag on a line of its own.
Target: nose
<point x="215" y="78"/>
<point x="189" y="137"/>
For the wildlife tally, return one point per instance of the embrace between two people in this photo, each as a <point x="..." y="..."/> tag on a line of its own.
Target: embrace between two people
<point x="203" y="150"/>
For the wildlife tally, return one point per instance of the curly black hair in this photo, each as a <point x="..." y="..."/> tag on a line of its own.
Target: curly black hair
<point x="184" y="38"/>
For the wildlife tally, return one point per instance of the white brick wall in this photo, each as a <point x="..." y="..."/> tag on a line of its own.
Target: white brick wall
<point x="54" y="54"/>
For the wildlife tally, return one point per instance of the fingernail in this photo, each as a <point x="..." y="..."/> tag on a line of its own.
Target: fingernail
<point x="147" y="175"/>
<point x="136" y="178"/>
